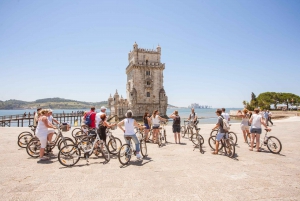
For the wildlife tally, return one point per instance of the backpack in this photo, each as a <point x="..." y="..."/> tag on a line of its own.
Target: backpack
<point x="88" y="120"/>
<point x="225" y="125"/>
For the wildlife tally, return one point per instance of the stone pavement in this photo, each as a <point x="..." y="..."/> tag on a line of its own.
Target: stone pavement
<point x="172" y="172"/>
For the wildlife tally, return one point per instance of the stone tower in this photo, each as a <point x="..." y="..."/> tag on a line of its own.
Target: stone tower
<point x="144" y="88"/>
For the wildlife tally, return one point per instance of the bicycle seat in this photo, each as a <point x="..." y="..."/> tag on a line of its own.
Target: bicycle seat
<point x="128" y="138"/>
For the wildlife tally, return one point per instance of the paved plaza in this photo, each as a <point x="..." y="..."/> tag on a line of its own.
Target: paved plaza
<point x="172" y="172"/>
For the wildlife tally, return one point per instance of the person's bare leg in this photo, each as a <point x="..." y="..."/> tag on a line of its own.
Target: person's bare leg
<point x="248" y="135"/>
<point x="245" y="135"/>
<point x="146" y="134"/>
<point x="175" y="138"/>
<point x="178" y="134"/>
<point x="49" y="137"/>
<point x="252" y="140"/>
<point x="217" y="147"/>
<point x="257" y="142"/>
<point x="42" y="151"/>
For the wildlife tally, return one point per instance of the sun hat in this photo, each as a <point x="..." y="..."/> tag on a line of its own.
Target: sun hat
<point x="103" y="108"/>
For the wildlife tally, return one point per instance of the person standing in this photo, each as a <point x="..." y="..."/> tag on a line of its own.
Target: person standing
<point x="42" y="131"/>
<point x="98" y="115"/>
<point x="129" y="125"/>
<point x="225" y="115"/>
<point x="193" y="117"/>
<point x="36" y="116"/>
<point x="176" y="125"/>
<point x="50" y="130"/>
<point x="245" y="123"/>
<point x="270" y="117"/>
<point x="266" y="117"/>
<point x="155" y="120"/>
<point x="256" y="121"/>
<point x="147" y="123"/>
<point x="90" y="118"/>
<point x="103" y="125"/>
<point x="221" y="131"/>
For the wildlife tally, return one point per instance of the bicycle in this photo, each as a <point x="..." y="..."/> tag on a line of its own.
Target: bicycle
<point x="231" y="135"/>
<point x="69" y="155"/>
<point x="162" y="135"/>
<point x="114" y="143"/>
<point x="26" y="136"/>
<point x="127" y="150"/>
<point x="198" y="141"/>
<point x="34" y="145"/>
<point x="226" y="143"/>
<point x="273" y="143"/>
<point x="196" y="137"/>
<point x="187" y="128"/>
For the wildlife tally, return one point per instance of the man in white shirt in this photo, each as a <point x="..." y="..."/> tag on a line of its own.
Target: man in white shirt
<point x="225" y="115"/>
<point x="98" y="119"/>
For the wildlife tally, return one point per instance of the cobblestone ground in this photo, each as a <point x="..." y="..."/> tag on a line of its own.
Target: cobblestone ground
<point x="172" y="172"/>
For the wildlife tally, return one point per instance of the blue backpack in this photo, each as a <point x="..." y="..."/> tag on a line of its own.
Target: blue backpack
<point x="88" y="120"/>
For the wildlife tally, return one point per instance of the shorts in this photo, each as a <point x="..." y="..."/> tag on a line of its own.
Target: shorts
<point x="147" y="126"/>
<point x="244" y="127"/>
<point x="255" y="130"/>
<point x="176" y="128"/>
<point x="155" y="126"/>
<point x="220" y="136"/>
<point x="50" y="130"/>
<point x="102" y="136"/>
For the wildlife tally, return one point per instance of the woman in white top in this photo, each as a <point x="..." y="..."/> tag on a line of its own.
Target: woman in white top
<point x="256" y="121"/>
<point x="245" y="123"/>
<point x="129" y="125"/>
<point x="42" y="131"/>
<point x="155" y="120"/>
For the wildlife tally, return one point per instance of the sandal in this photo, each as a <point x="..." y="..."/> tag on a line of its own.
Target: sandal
<point x="258" y="150"/>
<point x="250" y="149"/>
<point x="215" y="153"/>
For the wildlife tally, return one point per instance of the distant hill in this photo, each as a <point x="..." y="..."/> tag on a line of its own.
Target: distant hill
<point x="172" y="106"/>
<point x="52" y="103"/>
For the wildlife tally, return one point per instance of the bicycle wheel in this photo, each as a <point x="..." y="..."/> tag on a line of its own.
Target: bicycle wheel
<point x="74" y="131"/>
<point x="183" y="131"/>
<point x="114" y="144"/>
<point x="229" y="148"/>
<point x="69" y="155"/>
<point x="214" y="132"/>
<point x="274" y="145"/>
<point x="24" y="139"/>
<point x="143" y="148"/>
<point x="125" y="154"/>
<point x="105" y="153"/>
<point x="65" y="142"/>
<point x="212" y="143"/>
<point x="33" y="148"/>
<point x="232" y="136"/>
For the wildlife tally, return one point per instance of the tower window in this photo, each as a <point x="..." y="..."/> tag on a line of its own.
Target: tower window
<point x="148" y="83"/>
<point x="148" y="94"/>
<point x="147" y="72"/>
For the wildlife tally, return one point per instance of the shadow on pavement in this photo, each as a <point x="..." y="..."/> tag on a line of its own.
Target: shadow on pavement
<point x="138" y="162"/>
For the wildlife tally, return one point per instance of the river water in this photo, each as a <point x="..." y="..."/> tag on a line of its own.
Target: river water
<point x="207" y="116"/>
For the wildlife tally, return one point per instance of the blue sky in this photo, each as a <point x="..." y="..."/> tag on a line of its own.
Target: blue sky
<point x="216" y="52"/>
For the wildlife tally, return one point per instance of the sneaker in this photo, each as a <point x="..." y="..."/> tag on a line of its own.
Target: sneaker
<point x="138" y="156"/>
<point x="44" y="158"/>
